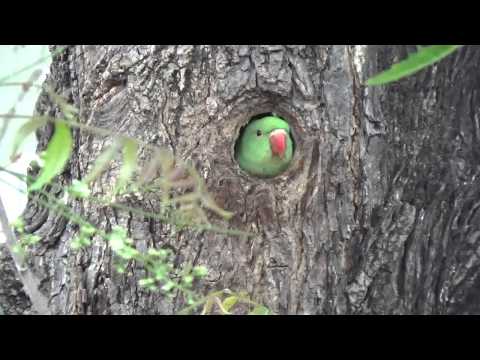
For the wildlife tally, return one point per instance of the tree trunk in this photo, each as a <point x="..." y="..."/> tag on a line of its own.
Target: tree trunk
<point x="376" y="215"/>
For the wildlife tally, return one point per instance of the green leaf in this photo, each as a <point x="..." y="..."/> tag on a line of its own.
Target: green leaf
<point x="79" y="189"/>
<point x="130" y="148"/>
<point x="87" y="230"/>
<point x="56" y="156"/>
<point x="160" y="271"/>
<point x="146" y="282"/>
<point x="260" y="310"/>
<point x="30" y="239"/>
<point x="161" y="253"/>
<point x="207" y="307"/>
<point x="200" y="271"/>
<point x="22" y="133"/>
<point x="117" y="238"/>
<point x="128" y="252"/>
<point x="79" y="242"/>
<point x="229" y="302"/>
<point x="190" y="300"/>
<point x="153" y="252"/>
<point x="187" y="279"/>
<point x="17" y="249"/>
<point x="121" y="266"/>
<point x="168" y="286"/>
<point x="119" y="242"/>
<point x="424" y="57"/>
<point x="223" y="311"/>
<point x="18" y="224"/>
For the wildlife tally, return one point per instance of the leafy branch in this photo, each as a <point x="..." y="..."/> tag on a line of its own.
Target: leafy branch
<point x="225" y="300"/>
<point x="424" y="57"/>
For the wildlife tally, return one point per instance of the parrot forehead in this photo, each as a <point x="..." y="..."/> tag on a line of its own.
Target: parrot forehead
<point x="269" y="123"/>
<point x="278" y="131"/>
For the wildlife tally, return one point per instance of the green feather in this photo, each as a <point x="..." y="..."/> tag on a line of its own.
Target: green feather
<point x="254" y="154"/>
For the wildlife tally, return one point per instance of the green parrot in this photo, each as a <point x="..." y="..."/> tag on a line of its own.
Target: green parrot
<point x="265" y="148"/>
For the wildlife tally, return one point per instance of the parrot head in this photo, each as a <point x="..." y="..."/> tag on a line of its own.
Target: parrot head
<point x="265" y="147"/>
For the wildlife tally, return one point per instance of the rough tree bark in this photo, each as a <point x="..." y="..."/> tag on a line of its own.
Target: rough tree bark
<point x="378" y="214"/>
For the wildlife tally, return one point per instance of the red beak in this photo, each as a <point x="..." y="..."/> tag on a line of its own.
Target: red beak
<point x="278" y="142"/>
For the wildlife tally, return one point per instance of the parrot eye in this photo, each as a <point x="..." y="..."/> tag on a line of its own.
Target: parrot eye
<point x="259" y="132"/>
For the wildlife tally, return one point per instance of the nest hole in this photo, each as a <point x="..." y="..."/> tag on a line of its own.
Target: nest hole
<point x="260" y="116"/>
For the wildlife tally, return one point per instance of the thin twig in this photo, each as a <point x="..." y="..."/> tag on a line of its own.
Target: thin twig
<point x="24" y="84"/>
<point x="153" y="215"/>
<point x="29" y="280"/>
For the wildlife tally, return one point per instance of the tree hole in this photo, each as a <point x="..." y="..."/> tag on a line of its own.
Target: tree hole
<point x="279" y="162"/>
